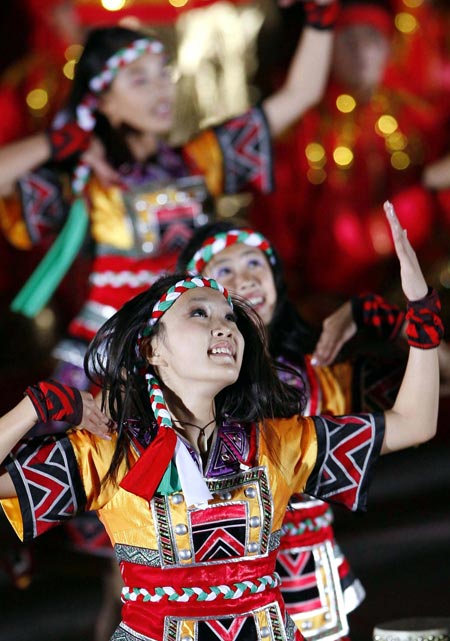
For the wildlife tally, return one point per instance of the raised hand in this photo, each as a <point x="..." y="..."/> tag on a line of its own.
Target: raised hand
<point x="413" y="282"/>
<point x="93" y="419"/>
<point x="337" y="329"/>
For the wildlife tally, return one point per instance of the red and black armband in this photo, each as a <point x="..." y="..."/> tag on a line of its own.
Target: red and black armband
<point x="321" y="16"/>
<point x="375" y="314"/>
<point x="68" y="142"/>
<point x="425" y="328"/>
<point x="54" y="401"/>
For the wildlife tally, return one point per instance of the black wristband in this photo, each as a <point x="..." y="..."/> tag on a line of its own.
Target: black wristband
<point x="425" y="328"/>
<point x="54" y="401"/>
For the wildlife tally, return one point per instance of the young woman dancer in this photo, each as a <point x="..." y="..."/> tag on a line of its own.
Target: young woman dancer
<point x="210" y="445"/>
<point x="244" y="262"/>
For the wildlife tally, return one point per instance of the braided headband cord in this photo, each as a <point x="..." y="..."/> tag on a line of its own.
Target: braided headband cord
<point x="217" y="243"/>
<point x="425" y="327"/>
<point x="100" y="82"/>
<point x="173" y="293"/>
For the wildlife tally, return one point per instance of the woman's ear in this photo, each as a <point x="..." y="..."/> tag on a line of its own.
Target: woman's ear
<point x="106" y="106"/>
<point x="152" y="353"/>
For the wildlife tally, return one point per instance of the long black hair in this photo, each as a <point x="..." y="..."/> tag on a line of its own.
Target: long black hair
<point x="112" y="363"/>
<point x="288" y="333"/>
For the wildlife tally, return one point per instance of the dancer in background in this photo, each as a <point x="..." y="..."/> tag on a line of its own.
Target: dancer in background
<point x="208" y="450"/>
<point x="368" y="139"/>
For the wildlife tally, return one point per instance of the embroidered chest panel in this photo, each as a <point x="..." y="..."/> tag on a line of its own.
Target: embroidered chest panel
<point x="236" y="526"/>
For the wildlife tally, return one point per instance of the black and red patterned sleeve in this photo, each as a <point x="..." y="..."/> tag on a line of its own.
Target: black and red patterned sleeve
<point x="247" y="152"/>
<point x="235" y="156"/>
<point x="49" y="489"/>
<point x="348" y="449"/>
<point x="35" y="211"/>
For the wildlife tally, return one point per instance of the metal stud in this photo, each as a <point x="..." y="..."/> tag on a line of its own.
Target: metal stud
<point x="255" y="521"/>
<point x="185" y="555"/>
<point x="177" y="499"/>
<point x="250" y="492"/>
<point x="180" y="529"/>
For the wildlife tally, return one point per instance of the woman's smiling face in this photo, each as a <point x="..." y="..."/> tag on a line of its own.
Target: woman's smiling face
<point x="245" y="271"/>
<point x="200" y="342"/>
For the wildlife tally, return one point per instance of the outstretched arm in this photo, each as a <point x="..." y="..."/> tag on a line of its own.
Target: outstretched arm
<point x="308" y="72"/>
<point x="47" y="401"/>
<point x="413" y="419"/>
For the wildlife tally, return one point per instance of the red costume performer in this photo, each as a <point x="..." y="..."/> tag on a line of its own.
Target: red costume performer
<point x="368" y="140"/>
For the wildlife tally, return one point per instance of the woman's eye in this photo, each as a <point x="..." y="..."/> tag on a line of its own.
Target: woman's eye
<point x="254" y="262"/>
<point x="223" y="272"/>
<point x="231" y="317"/>
<point x="139" y="80"/>
<point x="199" y="312"/>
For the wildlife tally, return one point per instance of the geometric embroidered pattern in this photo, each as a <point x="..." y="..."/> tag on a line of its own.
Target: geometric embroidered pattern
<point x="348" y="448"/>
<point x="40" y="194"/>
<point x="297" y="570"/>
<point x="161" y="517"/>
<point x="219" y="532"/>
<point x="49" y="488"/>
<point x="230" y="449"/>
<point x="246" y="147"/>
<point x="210" y="593"/>
<point x="124" y="633"/>
<point x="255" y="476"/>
<point x="138" y="555"/>
<point x="237" y="628"/>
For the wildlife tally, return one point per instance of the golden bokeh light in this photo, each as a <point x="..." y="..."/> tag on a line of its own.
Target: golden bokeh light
<point x="400" y="160"/>
<point x="69" y="69"/>
<point x="343" y="156"/>
<point x="386" y="125"/>
<point x="396" y="141"/>
<point x="113" y="5"/>
<point x="315" y="153"/>
<point x="413" y="4"/>
<point x="73" y="52"/>
<point x="316" y="176"/>
<point x="406" y="22"/>
<point x="345" y="103"/>
<point x="37" y="99"/>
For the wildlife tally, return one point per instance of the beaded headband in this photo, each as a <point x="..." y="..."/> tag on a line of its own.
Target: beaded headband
<point x="217" y="243"/>
<point x="173" y="293"/>
<point x="100" y="82"/>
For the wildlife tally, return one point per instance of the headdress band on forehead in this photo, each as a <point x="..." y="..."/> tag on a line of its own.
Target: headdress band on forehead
<point x="217" y="243"/>
<point x="111" y="68"/>
<point x="173" y="293"/>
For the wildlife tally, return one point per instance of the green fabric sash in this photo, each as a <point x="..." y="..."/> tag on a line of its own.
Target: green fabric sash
<point x="43" y="282"/>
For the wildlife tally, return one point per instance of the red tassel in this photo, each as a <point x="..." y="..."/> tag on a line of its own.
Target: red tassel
<point x="146" y="474"/>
